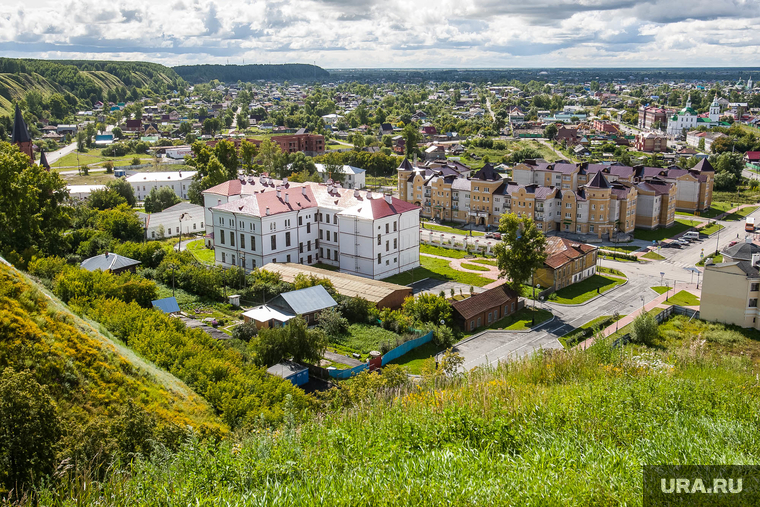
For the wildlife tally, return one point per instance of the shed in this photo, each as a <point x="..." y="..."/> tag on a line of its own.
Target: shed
<point x="110" y="262"/>
<point x="289" y="370"/>
<point x="167" y="305"/>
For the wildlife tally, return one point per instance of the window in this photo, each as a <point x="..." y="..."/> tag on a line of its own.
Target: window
<point x="232" y="239"/>
<point x="274" y="242"/>
<point x="387" y="228"/>
<point x="591" y="228"/>
<point x="472" y="325"/>
<point x="378" y="239"/>
<point x="395" y="226"/>
<point x="224" y="257"/>
<point x="395" y="243"/>
<point x="754" y="287"/>
<point x="300" y="220"/>
<point x="567" y="215"/>
<point x="320" y="234"/>
<point x="287" y="223"/>
<point x="379" y="259"/>
<point x="242" y="240"/>
<point x="328" y="253"/>
<point x="233" y="259"/>
<point x="152" y="234"/>
<point x="287" y="239"/>
<point x="308" y="227"/>
<point x="300" y="247"/>
<point x="308" y="246"/>
<point x="253" y="242"/>
<point x="753" y="303"/>
<point x="221" y="236"/>
<point x="593" y="206"/>
<point x="193" y="226"/>
<point x="335" y="255"/>
<point x="568" y="205"/>
<point x="490" y="318"/>
<point x="328" y="236"/>
<point x="309" y="261"/>
<point x="387" y="246"/>
<point x="328" y="218"/>
<point x="288" y="259"/>
<point x="335" y="218"/>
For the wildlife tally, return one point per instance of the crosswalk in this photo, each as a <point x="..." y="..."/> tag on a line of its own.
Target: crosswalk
<point x="681" y="264"/>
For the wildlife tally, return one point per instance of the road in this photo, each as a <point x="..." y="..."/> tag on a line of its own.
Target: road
<point x="490" y="347"/>
<point x="490" y="111"/>
<point x="54" y="156"/>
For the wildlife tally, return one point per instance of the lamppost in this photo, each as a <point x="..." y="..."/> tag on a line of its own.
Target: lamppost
<point x="642" y="305"/>
<point x="537" y="286"/>
<point x="662" y="274"/>
<point x="179" y="245"/>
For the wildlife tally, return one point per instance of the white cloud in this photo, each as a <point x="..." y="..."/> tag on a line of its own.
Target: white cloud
<point x="390" y="33"/>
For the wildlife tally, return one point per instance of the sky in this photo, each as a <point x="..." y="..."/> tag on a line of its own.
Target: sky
<point x="389" y="33"/>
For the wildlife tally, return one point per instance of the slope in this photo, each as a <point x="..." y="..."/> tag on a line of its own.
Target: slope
<point x="92" y="377"/>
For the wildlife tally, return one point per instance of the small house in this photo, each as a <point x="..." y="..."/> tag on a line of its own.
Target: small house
<point x="289" y="370"/>
<point x="167" y="305"/>
<point x="486" y="308"/>
<point x="304" y="302"/>
<point x="110" y="262"/>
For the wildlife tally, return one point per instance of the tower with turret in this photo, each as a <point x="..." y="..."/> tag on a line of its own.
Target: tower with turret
<point x="405" y="171"/>
<point x="20" y="135"/>
<point x="715" y="110"/>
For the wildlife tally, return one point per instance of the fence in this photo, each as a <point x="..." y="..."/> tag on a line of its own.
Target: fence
<point x="660" y="318"/>
<point x="387" y="357"/>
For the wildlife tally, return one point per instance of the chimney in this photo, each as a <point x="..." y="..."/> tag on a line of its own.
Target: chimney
<point x="389" y="198"/>
<point x="303" y="190"/>
<point x="267" y="210"/>
<point x="369" y="194"/>
<point x="278" y="194"/>
<point x="285" y="180"/>
<point x="287" y="200"/>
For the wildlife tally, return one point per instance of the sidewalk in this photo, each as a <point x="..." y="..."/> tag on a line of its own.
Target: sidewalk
<point x="659" y="301"/>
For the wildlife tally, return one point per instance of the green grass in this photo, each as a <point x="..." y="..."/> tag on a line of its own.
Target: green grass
<point x="579" y="334"/>
<point x="414" y="359"/>
<point x="199" y="250"/>
<point x="710" y="229"/>
<point x="584" y="290"/>
<point x="518" y="321"/>
<point x="328" y="267"/>
<point x="440" y="270"/>
<point x="740" y="214"/>
<point x="474" y="267"/>
<point x="625" y="248"/>
<point x="450" y="230"/>
<point x="653" y="256"/>
<point x="680" y="225"/>
<point x="683" y="298"/>
<point x="716" y="258"/>
<point x="443" y="252"/>
<point x="489" y="262"/>
<point x="713" y="211"/>
<point x="363" y="338"/>
<point x="610" y="271"/>
<point x="660" y="289"/>
<point x="76" y="159"/>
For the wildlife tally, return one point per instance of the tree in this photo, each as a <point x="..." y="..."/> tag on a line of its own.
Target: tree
<point x="428" y="307"/>
<point x="358" y="141"/>
<point x="245" y="332"/>
<point x="81" y="142"/>
<point x="411" y="138"/>
<point x="271" y="157"/>
<point x="29" y="430"/>
<point x="729" y="162"/>
<point x="248" y="152"/>
<point x="701" y="144"/>
<point x="108" y="165"/>
<point x="124" y="189"/>
<point x="117" y="133"/>
<point x="522" y="250"/>
<point x="185" y="128"/>
<point x="550" y="132"/>
<point x="105" y="198"/>
<point x="32" y="214"/>
<point x="644" y="329"/>
<point x="293" y="341"/>
<point x="121" y="223"/>
<point x="160" y="199"/>
<point x="332" y="322"/>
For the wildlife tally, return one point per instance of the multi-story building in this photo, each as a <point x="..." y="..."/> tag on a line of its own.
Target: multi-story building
<point x="143" y="183"/>
<point x="650" y="142"/>
<point x="567" y="262"/>
<point x="694" y="187"/>
<point x="730" y="292"/>
<point x="362" y="233"/>
<point x="652" y="117"/>
<point x="656" y="204"/>
<point x="353" y="177"/>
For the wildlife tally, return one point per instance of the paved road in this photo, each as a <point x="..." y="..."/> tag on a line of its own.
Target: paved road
<point x="53" y="156"/>
<point x="490" y="347"/>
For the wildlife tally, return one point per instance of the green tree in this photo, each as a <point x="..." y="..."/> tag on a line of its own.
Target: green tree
<point x="293" y="341"/>
<point x="245" y="332"/>
<point x="522" y="250"/>
<point x="701" y="144"/>
<point x="160" y="199"/>
<point x="248" y="152"/>
<point x="121" y="223"/>
<point x="428" y="307"/>
<point x="272" y="158"/>
<point x="332" y="322"/>
<point x="29" y="430"/>
<point x="105" y="198"/>
<point x="411" y="138"/>
<point x="124" y="189"/>
<point x="729" y="162"/>
<point x="550" y="132"/>
<point x="644" y="329"/>
<point x="32" y="214"/>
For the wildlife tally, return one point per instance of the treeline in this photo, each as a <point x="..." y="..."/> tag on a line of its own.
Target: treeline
<point x="247" y="73"/>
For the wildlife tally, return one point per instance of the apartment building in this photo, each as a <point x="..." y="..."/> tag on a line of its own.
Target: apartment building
<point x="694" y="187"/>
<point x="730" y="292"/>
<point x="650" y="142"/>
<point x="143" y="183"/>
<point x="652" y="117"/>
<point x="362" y="233"/>
<point x="656" y="204"/>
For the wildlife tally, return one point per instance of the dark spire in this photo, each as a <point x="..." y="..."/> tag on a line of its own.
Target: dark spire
<point x="599" y="181"/>
<point x="43" y="160"/>
<point x="405" y="165"/>
<point x="20" y="132"/>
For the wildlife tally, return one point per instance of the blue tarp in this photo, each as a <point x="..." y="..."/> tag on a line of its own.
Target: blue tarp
<point x="166" y="305"/>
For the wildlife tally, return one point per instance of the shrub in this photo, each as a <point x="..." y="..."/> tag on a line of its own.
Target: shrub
<point x="332" y="322"/>
<point x="356" y="310"/>
<point x="644" y="329"/>
<point x="245" y="331"/>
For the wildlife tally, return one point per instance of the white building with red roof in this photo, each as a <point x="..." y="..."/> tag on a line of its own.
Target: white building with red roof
<point x="255" y="221"/>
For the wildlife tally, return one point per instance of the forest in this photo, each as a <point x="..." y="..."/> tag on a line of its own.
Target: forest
<point x="246" y="73"/>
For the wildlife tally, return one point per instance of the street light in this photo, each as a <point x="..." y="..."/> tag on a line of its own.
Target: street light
<point x="179" y="245"/>
<point x="533" y="320"/>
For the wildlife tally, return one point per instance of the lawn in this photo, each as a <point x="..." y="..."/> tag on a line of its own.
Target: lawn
<point x="449" y="230"/>
<point x="490" y="262"/>
<point x="618" y="248"/>
<point x="740" y="215"/>
<point x="199" y="250"/>
<point x="440" y="270"/>
<point x="328" y="267"/>
<point x="716" y="258"/>
<point x="521" y="319"/>
<point x="414" y="359"/>
<point x="710" y="229"/>
<point x="611" y="271"/>
<point x="678" y="227"/>
<point x="716" y="209"/>
<point x="474" y="267"/>
<point x="76" y="159"/>
<point x="660" y="289"/>
<point x="653" y="256"/>
<point x="363" y="338"/>
<point x="579" y="334"/>
<point x="584" y="290"/>
<point x="683" y="298"/>
<point x="443" y="252"/>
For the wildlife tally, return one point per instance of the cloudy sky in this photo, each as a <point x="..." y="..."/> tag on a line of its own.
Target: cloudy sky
<point x="389" y="33"/>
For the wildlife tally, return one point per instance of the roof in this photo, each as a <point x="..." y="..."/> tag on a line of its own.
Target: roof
<point x="405" y="166"/>
<point x="43" y="160"/>
<point x="745" y="266"/>
<point x="20" y="133"/>
<point x="166" y="305"/>
<point x="345" y="169"/>
<point x="286" y="369"/>
<point x="162" y="176"/>
<point x="265" y="313"/>
<point x="478" y="303"/>
<point x="753" y="155"/>
<point x="560" y="251"/>
<point x="374" y="209"/>
<point x="487" y="173"/>
<point x="599" y="181"/>
<point x="741" y="251"/>
<point x="173" y="213"/>
<point x="345" y="284"/>
<point x="299" y="302"/>
<point x="703" y="165"/>
<point x="108" y="262"/>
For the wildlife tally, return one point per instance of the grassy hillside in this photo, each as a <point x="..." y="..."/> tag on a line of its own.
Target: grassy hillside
<point x="94" y="379"/>
<point x="15" y="86"/>
<point x="561" y="428"/>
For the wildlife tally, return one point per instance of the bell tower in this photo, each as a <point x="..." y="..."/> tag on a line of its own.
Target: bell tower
<point x="20" y="136"/>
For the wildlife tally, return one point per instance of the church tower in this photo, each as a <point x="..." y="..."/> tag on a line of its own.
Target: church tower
<point x="715" y="110"/>
<point x="749" y="83"/>
<point x="20" y="136"/>
<point x="405" y="171"/>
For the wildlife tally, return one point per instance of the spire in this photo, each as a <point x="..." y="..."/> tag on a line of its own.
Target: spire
<point x="20" y="133"/>
<point x="688" y="101"/>
<point x="43" y="160"/>
<point x="405" y="165"/>
<point x="599" y="181"/>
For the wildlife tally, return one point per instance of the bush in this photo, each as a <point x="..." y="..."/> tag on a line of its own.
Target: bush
<point x="46" y="267"/>
<point x="356" y="310"/>
<point x="75" y="283"/>
<point x="644" y="329"/>
<point x="135" y="161"/>
<point x="244" y="332"/>
<point x="332" y="322"/>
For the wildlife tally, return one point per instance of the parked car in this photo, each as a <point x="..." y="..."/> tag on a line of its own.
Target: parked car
<point x="489" y="235"/>
<point x="672" y="244"/>
<point x="691" y="236"/>
<point x="496" y="235"/>
<point x="733" y="243"/>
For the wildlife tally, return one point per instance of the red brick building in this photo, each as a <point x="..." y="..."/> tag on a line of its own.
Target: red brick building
<point x="651" y="142"/>
<point x="20" y="135"/>
<point x="606" y="126"/>
<point x="486" y="308"/>
<point x="648" y="116"/>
